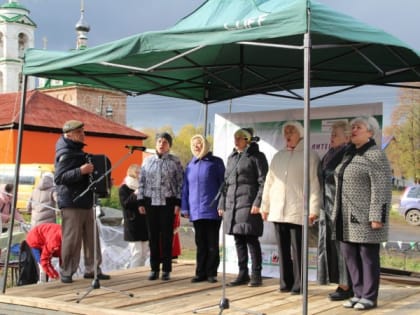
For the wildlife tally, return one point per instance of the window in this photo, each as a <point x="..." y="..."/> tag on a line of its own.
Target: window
<point x="414" y="192"/>
<point x="22" y="44"/>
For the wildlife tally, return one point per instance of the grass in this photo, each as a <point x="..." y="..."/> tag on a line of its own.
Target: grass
<point x="403" y="259"/>
<point x="394" y="215"/>
<point x="409" y="261"/>
<point x="187" y="254"/>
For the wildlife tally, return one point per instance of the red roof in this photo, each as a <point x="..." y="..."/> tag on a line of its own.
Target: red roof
<point x="44" y="112"/>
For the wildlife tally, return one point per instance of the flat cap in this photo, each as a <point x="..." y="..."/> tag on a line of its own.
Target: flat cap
<point x="72" y="125"/>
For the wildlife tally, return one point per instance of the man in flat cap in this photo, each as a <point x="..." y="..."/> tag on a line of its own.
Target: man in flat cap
<point x="72" y="177"/>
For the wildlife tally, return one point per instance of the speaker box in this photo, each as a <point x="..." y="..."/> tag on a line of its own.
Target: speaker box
<point x="102" y="165"/>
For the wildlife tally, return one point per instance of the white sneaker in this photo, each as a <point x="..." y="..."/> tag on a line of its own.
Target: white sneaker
<point x="351" y="303"/>
<point x="365" y="304"/>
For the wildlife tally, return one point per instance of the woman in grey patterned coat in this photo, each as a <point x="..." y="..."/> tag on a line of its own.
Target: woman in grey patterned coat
<point x="361" y="210"/>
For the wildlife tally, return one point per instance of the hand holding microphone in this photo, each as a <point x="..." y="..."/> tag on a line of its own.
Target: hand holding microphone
<point x="135" y="148"/>
<point x="86" y="168"/>
<point x="139" y="148"/>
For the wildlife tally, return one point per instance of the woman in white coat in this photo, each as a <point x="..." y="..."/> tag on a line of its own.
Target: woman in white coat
<point x="283" y="203"/>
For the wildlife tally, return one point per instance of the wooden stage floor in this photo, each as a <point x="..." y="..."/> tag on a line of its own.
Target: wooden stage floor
<point x="180" y="296"/>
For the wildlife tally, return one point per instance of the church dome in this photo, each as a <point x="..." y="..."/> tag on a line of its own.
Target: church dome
<point x="13" y="5"/>
<point x="82" y="26"/>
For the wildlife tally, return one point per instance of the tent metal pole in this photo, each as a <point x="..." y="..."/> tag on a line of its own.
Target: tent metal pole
<point x="206" y="113"/>
<point x="153" y="67"/>
<point x="306" y="171"/>
<point x="16" y="180"/>
<point x="206" y="110"/>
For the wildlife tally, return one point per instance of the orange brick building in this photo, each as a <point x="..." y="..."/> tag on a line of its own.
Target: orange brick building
<point x="44" y="118"/>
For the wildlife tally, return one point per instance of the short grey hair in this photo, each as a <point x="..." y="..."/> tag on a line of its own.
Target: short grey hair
<point x="342" y="124"/>
<point x="293" y="123"/>
<point x="369" y="122"/>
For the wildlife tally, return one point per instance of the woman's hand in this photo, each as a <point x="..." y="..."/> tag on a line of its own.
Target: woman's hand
<point x="376" y="225"/>
<point x="142" y="210"/>
<point x="264" y="215"/>
<point x="255" y="210"/>
<point x="220" y="212"/>
<point x="312" y="218"/>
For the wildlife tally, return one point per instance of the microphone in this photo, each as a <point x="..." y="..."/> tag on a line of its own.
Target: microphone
<point x="135" y="147"/>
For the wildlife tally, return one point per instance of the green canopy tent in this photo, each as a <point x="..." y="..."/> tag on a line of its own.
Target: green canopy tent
<point x="227" y="49"/>
<point x="233" y="48"/>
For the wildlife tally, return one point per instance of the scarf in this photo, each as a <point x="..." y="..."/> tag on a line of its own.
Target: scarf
<point x="131" y="182"/>
<point x="204" y="149"/>
<point x="331" y="154"/>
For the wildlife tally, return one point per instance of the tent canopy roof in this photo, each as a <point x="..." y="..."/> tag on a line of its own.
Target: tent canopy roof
<point x="233" y="48"/>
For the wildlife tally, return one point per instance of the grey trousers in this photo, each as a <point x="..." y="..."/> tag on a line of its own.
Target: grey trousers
<point x="77" y="230"/>
<point x="363" y="263"/>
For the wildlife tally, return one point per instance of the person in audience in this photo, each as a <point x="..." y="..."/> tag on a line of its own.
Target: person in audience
<point x="240" y="203"/>
<point x="159" y="197"/>
<point x="6" y="196"/>
<point x="283" y="203"/>
<point x="135" y="227"/>
<point x="45" y="240"/>
<point x="203" y="176"/>
<point x="361" y="210"/>
<point x="43" y="202"/>
<point x="331" y="265"/>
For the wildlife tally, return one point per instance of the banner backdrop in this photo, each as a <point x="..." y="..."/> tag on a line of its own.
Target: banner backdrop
<point x="267" y="126"/>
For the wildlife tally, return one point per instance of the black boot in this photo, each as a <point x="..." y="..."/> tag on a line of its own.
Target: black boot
<point x="153" y="275"/>
<point x="256" y="280"/>
<point x="242" y="278"/>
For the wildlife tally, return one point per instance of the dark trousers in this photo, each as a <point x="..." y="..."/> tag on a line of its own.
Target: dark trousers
<point x="243" y="243"/>
<point x="363" y="263"/>
<point x="207" y="242"/>
<point x="160" y="221"/>
<point x="289" y="242"/>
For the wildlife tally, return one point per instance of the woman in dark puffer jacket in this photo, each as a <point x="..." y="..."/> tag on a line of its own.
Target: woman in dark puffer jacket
<point x="240" y="204"/>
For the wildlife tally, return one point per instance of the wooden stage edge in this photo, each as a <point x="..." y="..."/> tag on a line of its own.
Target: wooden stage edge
<point x="398" y="295"/>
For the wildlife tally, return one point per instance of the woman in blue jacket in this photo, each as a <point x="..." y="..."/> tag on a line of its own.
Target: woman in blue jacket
<point x="203" y="177"/>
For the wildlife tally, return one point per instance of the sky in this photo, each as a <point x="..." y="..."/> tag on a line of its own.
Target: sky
<point x="112" y="20"/>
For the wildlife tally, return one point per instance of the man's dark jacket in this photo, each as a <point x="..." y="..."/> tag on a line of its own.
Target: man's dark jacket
<point x="69" y="156"/>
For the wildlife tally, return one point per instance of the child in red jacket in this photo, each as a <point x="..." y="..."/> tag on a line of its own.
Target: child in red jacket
<point x="46" y="237"/>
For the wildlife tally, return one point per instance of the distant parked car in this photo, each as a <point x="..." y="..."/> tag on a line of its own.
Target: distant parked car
<point x="410" y="204"/>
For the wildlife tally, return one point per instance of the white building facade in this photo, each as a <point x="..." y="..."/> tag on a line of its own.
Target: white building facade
<point x="17" y="33"/>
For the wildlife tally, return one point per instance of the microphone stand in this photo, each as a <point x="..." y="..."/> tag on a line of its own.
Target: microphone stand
<point x="95" y="282"/>
<point x="224" y="303"/>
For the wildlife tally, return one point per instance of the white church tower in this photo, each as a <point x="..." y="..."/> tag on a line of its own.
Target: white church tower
<point x="16" y="34"/>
